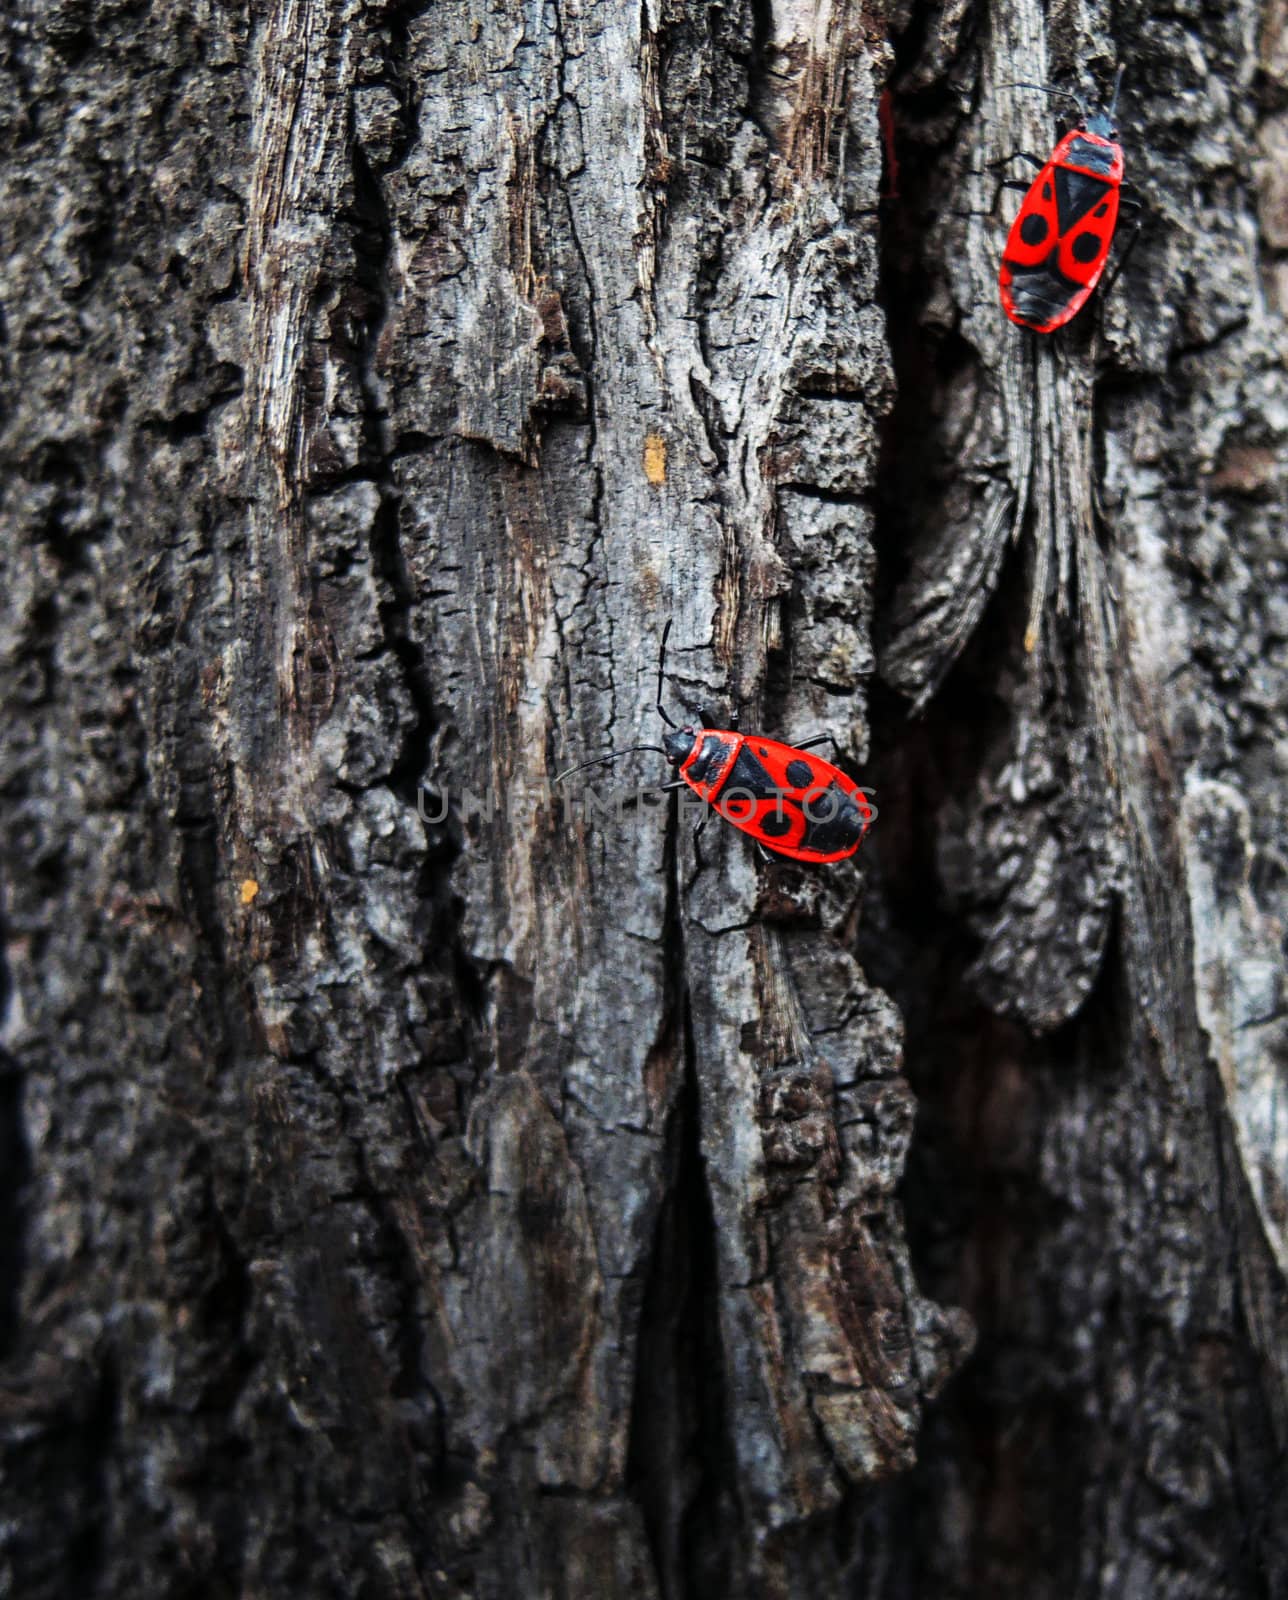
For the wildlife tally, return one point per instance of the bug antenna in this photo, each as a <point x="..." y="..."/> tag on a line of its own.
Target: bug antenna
<point x="1044" y="88"/>
<point x="1118" y="83"/>
<point x="601" y="761"/>
<point x="661" y="669"/>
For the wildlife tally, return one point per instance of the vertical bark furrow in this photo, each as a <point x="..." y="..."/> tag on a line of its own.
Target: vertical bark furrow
<point x="1099" y="1207"/>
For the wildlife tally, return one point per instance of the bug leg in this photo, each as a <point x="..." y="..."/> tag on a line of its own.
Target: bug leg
<point x="1121" y="261"/>
<point x="1130" y="198"/>
<point x="1017" y="184"/>
<point x="669" y="788"/>
<point x="818" y="739"/>
<point x="765" y="855"/>
<point x="697" y="834"/>
<point x="1015" y="155"/>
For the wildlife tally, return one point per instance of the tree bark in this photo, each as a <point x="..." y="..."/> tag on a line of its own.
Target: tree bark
<point x="419" y="1180"/>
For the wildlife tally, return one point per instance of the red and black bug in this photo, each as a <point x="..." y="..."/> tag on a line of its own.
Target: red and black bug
<point x="1060" y="241"/>
<point x="789" y="800"/>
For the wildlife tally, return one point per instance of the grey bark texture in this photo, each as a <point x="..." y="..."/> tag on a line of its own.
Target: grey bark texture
<point x="419" y="1182"/>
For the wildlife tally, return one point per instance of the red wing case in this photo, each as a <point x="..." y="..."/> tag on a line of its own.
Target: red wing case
<point x="1059" y="242"/>
<point x="794" y="802"/>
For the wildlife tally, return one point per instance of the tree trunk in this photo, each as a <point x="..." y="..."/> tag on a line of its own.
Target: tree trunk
<point x="420" y="1180"/>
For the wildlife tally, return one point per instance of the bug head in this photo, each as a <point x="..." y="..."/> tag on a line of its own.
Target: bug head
<point x="678" y="745"/>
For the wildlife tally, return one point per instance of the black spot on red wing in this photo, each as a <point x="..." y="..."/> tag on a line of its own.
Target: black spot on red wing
<point x="799" y="774"/>
<point x="776" y="822"/>
<point x="764" y="752"/>
<point x="1046" y="191"/>
<point x="1086" y="247"/>
<point x="1102" y="210"/>
<point x="1033" y="229"/>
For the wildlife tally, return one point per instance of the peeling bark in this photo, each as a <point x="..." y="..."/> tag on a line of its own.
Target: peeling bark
<point x="418" y="1180"/>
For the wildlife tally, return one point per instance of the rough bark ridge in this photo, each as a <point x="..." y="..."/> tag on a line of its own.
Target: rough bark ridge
<point x="1089" y="573"/>
<point x="494" y="1197"/>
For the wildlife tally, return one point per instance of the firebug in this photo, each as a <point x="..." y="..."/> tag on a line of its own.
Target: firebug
<point x="1060" y="241"/>
<point x="790" y="801"/>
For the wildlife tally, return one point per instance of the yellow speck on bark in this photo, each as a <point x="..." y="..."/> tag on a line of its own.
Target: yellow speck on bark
<point x="655" y="458"/>
<point x="249" y="890"/>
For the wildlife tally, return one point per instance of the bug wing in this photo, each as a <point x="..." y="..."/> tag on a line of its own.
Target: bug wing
<point x="1041" y="298"/>
<point x="1037" y="223"/>
<point x="1035" y="293"/>
<point x="794" y="802"/>
<point x="1084" y="248"/>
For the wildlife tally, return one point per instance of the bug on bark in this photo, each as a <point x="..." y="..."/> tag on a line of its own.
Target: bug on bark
<point x="1059" y="242"/>
<point x="789" y="800"/>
